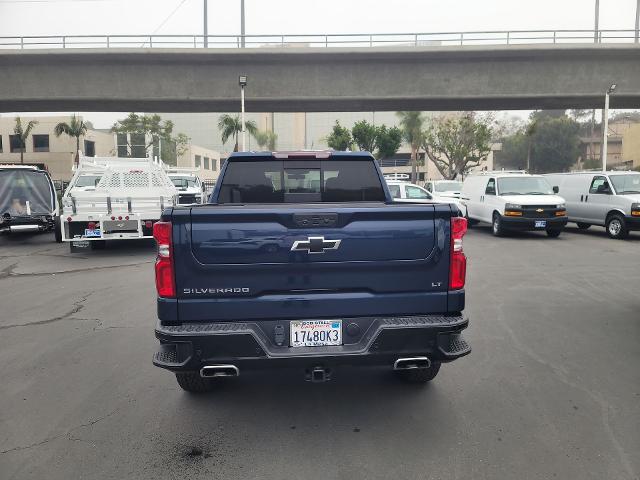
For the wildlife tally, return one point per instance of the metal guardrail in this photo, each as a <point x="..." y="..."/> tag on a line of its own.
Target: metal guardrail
<point x="505" y="37"/>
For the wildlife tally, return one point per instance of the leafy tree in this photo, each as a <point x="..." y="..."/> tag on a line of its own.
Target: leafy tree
<point x="546" y="114"/>
<point x="455" y="145"/>
<point x="266" y="139"/>
<point x="389" y="141"/>
<point x="76" y="128"/>
<point x="514" y="151"/>
<point x="579" y="114"/>
<point x="339" y="138"/>
<point x="154" y="132"/>
<point x="231" y="127"/>
<point x="555" y="145"/>
<point x="549" y="144"/>
<point x="381" y="141"/>
<point x="365" y="136"/>
<point x="181" y="142"/>
<point x="412" y="125"/>
<point x="23" y="133"/>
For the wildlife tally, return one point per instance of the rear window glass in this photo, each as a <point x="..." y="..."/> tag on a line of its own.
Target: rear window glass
<point x="299" y="181"/>
<point x="394" y="190"/>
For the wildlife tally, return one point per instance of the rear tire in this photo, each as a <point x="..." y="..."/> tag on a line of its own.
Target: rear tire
<point x="193" y="383"/>
<point x="554" y="233"/>
<point x="496" y="225"/>
<point x="419" y="375"/>
<point x="583" y="226"/>
<point x="57" y="229"/>
<point x="617" y="227"/>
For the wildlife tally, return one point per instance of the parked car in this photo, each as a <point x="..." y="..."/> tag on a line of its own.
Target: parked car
<point x="28" y="200"/>
<point x="605" y="199"/>
<point x="187" y="182"/>
<point x="513" y="201"/>
<point x="412" y="193"/>
<point x="444" y="188"/>
<point x="349" y="276"/>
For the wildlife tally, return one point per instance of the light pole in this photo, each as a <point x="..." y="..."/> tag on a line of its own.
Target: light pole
<point x="596" y="27"/>
<point x="242" y="23"/>
<point x="638" y="22"/>
<point x="206" y="28"/>
<point x="605" y="125"/>
<point x="242" y="80"/>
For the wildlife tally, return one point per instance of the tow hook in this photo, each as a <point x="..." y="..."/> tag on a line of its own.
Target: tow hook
<point x="317" y="374"/>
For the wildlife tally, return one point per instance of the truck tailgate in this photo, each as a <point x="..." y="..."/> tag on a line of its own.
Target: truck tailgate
<point x="236" y="262"/>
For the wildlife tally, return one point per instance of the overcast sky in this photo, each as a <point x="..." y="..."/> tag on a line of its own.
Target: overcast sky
<point x="69" y="17"/>
<point x="54" y="17"/>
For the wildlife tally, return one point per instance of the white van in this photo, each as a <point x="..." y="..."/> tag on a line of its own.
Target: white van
<point x="606" y="199"/>
<point x="513" y="201"/>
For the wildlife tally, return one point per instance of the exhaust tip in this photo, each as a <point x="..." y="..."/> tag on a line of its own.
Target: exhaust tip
<point x="211" y="371"/>
<point x="412" y="363"/>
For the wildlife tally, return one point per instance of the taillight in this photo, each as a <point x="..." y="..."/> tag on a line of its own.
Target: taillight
<point x="458" y="268"/>
<point x="165" y="278"/>
<point x="91" y="225"/>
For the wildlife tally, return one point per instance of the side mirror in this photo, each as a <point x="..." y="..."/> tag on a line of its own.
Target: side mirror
<point x="556" y="189"/>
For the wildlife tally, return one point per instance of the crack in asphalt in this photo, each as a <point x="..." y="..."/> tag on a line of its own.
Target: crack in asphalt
<point x="77" y="306"/>
<point x="8" y="272"/>
<point x="60" y="435"/>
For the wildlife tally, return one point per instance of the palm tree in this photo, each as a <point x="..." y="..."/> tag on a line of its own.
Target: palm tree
<point x="23" y="134"/>
<point x="231" y="127"/>
<point x="266" y="139"/>
<point x="75" y="128"/>
<point x="411" y="124"/>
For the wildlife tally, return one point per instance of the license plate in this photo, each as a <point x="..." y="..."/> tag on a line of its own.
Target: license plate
<point x="80" y="245"/>
<point x="92" y="233"/>
<point x="315" y="333"/>
<point x="540" y="224"/>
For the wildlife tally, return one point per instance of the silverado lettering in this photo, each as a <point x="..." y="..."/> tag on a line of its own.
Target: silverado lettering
<point x="204" y="291"/>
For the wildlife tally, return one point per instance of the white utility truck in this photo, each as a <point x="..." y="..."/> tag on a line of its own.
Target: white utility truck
<point x="113" y="198"/>
<point x="190" y="187"/>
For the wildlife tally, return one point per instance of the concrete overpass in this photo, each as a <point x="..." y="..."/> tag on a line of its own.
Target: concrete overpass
<point x="328" y="79"/>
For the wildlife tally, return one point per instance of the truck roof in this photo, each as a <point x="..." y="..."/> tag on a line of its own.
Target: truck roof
<point x="10" y="166"/>
<point x="299" y="154"/>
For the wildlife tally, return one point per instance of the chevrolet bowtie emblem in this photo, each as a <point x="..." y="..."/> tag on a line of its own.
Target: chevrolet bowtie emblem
<point x="540" y="210"/>
<point x="315" y="245"/>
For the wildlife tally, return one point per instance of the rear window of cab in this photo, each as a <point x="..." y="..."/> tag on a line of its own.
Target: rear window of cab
<point x="300" y="181"/>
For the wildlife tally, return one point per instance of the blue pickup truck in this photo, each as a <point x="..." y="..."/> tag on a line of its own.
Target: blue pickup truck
<point x="302" y="259"/>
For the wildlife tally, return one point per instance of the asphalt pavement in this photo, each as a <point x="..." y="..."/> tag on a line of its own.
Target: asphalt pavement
<point x="551" y="389"/>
